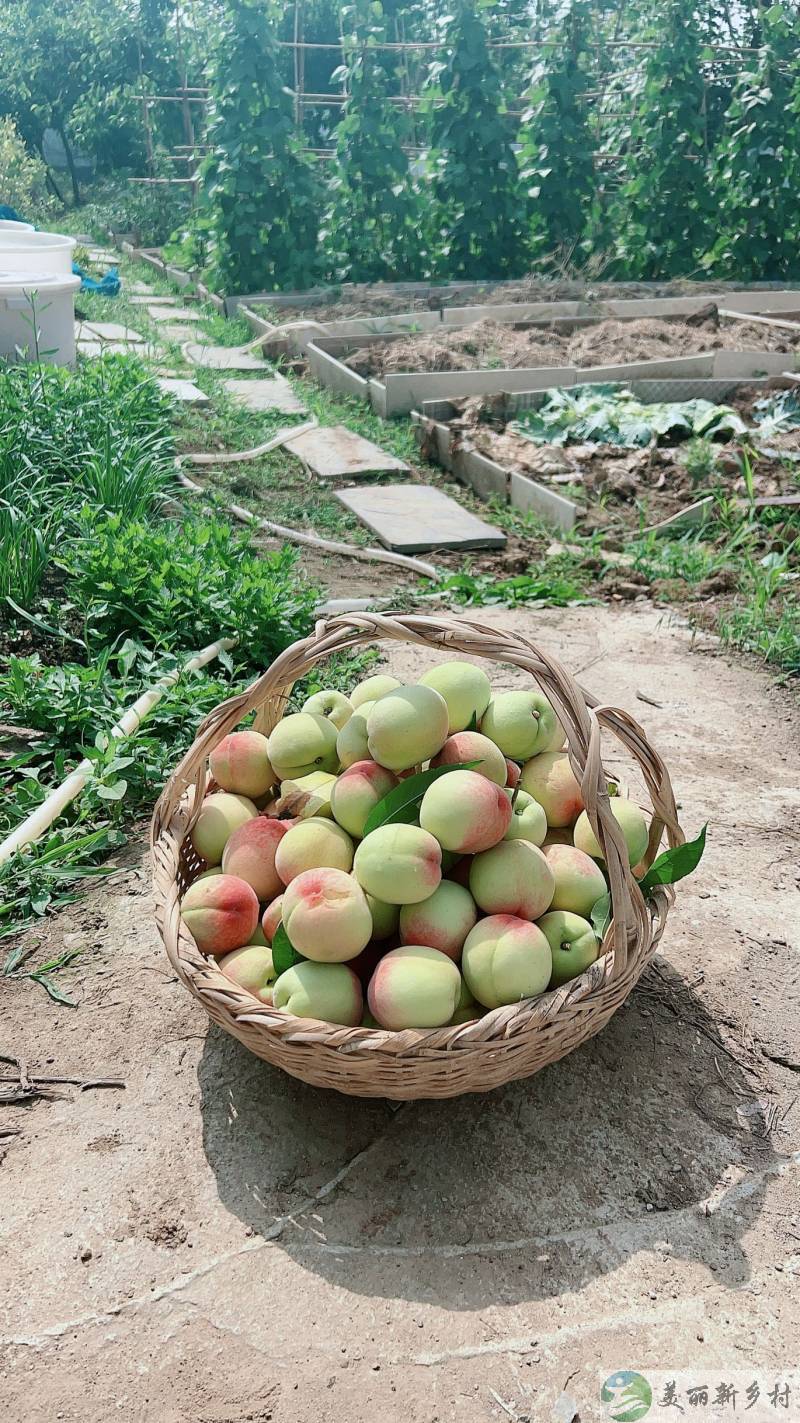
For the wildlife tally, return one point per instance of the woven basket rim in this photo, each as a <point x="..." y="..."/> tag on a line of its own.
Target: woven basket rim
<point x="629" y="942"/>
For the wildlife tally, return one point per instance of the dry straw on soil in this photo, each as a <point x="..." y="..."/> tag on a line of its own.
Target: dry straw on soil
<point x="505" y="1044"/>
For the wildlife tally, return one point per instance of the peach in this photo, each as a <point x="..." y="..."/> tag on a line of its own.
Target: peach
<point x="513" y="878"/>
<point x="632" y="823"/>
<point x="399" y="864"/>
<point x="240" y="764"/>
<point x="334" y="706"/>
<point x="550" y="780"/>
<point x="329" y="992"/>
<point x="326" y="915"/>
<point x="313" y="845"/>
<point x="579" y="881"/>
<point x="414" y="987"/>
<point x="209" y="874"/>
<point x="372" y="689"/>
<point x="513" y="773"/>
<point x="556" y="837"/>
<point x="442" y="921"/>
<point x="250" y="854"/>
<point x="351" y="743"/>
<point x="258" y="938"/>
<point x="522" y="724"/>
<point x="467" y="1010"/>
<point x="357" y="791"/>
<point x="252" y="969"/>
<point x="465" y="811"/>
<point x="471" y="746"/>
<point x="465" y="688"/>
<point x="221" y="913"/>
<point x="506" y="959"/>
<point x="385" y="918"/>
<point x="302" y="743"/>
<point x="406" y="727"/>
<point x="271" y="918"/>
<point x="220" y="814"/>
<point x="573" y="944"/>
<point x="316" y="788"/>
<point x="528" y="820"/>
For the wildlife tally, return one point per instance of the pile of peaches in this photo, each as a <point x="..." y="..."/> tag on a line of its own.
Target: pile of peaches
<point x="423" y="847"/>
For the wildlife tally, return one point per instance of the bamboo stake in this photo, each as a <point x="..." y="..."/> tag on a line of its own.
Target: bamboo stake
<point x="366" y="555"/>
<point x="42" y="818"/>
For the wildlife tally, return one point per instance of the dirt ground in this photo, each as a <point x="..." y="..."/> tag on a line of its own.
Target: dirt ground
<point x="218" y="1242"/>
<point x="491" y="344"/>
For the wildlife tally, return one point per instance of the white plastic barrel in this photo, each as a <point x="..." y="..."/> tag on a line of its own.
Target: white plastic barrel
<point x="8" y="224"/>
<point x="37" y="314"/>
<point x="45" y="253"/>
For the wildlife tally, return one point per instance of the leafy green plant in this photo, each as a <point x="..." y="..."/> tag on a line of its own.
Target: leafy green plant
<point x="554" y="588"/>
<point x="557" y="145"/>
<point x="372" y="228"/>
<point x="609" y="415"/>
<point x="184" y="585"/>
<point x="261" y="192"/>
<point x="478" y="218"/>
<point x="23" y="176"/>
<point x="664" y="207"/>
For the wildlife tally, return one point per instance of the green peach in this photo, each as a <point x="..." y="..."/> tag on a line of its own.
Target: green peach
<point x="351" y="743"/>
<point x="631" y="822"/>
<point x="579" y="880"/>
<point x="250" y="854"/>
<point x="512" y="878"/>
<point x="329" y="992"/>
<point x="506" y="959"/>
<point x="220" y="814"/>
<point x="465" y="688"/>
<point x="221" y="913"/>
<point x="573" y="944"/>
<point x="326" y="915"/>
<point x="414" y="987"/>
<point x="312" y="845"/>
<point x="302" y="743"/>
<point x="271" y="918"/>
<point x="550" y="780"/>
<point x="317" y="787"/>
<point x="372" y="689"/>
<point x="399" y="864"/>
<point x="406" y="727"/>
<point x="241" y="764"/>
<point x="385" y="918"/>
<point x="471" y="746"/>
<point x="442" y="921"/>
<point x="258" y="938"/>
<point x="467" y="1010"/>
<point x="334" y="706"/>
<point x="522" y="724"/>
<point x="528" y="820"/>
<point x="357" y="791"/>
<point x="252" y="968"/>
<point x="466" y="812"/>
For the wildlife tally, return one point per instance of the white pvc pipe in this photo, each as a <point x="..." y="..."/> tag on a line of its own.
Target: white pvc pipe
<point x="44" y="815"/>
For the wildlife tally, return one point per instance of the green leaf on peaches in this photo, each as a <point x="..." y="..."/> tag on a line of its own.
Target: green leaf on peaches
<point x="401" y="805"/>
<point x="284" y="954"/>
<point x="675" y="864"/>
<point x="601" y="915"/>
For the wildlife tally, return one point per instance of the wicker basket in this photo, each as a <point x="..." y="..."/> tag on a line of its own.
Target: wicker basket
<point x="506" y="1043"/>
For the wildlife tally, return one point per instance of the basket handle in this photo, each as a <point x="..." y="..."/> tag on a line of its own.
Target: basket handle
<point x="583" y="718"/>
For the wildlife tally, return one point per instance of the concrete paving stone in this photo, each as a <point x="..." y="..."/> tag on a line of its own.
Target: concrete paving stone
<point x="146" y="297"/>
<point x="274" y="393"/>
<point x="107" y="331"/>
<point x="183" y="390"/>
<point x="334" y="452"/>
<point x="92" y="349"/>
<point x="224" y="358"/>
<point x="412" y="517"/>
<point x="179" y="333"/>
<point x="179" y="313"/>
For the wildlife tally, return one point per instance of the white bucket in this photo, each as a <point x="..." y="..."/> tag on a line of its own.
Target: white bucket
<point x="8" y="224"/>
<point x="47" y="254"/>
<point x="37" y="314"/>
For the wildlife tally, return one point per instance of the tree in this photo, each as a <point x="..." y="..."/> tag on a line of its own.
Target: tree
<point x="261" y="193"/>
<point x="557" y="148"/>
<point x="757" y="166"/>
<point x="663" y="207"/>
<point x="372" y="227"/>
<point x="479" y="228"/>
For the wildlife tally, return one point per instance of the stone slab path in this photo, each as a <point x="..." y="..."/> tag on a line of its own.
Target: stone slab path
<point x="334" y="452"/>
<point x="413" y="517"/>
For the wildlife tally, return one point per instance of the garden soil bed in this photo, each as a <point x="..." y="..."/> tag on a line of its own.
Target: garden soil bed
<point x="489" y="344"/>
<point x="429" y="1259"/>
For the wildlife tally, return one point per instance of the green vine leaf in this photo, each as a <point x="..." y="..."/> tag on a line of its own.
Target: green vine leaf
<point x="401" y="805"/>
<point x="675" y="864"/>
<point x="284" y="954"/>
